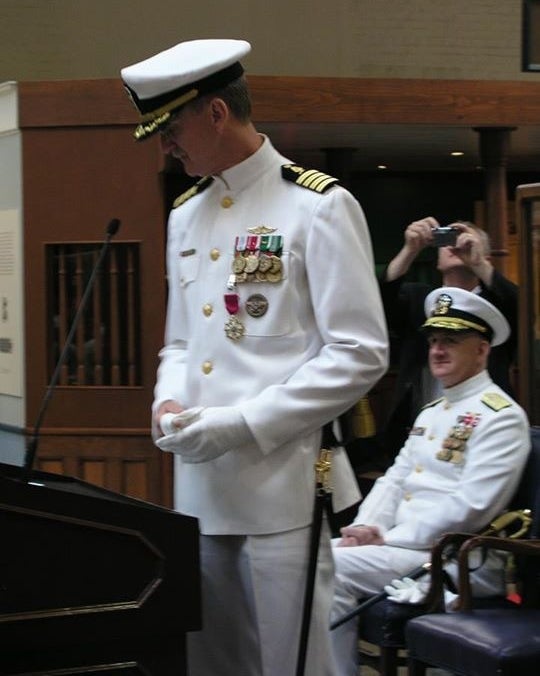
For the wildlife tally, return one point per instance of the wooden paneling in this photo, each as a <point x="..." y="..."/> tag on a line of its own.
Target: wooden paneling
<point x="307" y="99"/>
<point x="125" y="462"/>
<point x="396" y="101"/>
<point x="75" y="181"/>
<point x="81" y="168"/>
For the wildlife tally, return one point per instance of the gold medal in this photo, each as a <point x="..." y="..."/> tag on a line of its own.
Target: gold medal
<point x="252" y="263"/>
<point x="273" y="277"/>
<point x="238" y="264"/>
<point x="234" y="329"/>
<point x="453" y="444"/>
<point x="276" y="264"/>
<point x="265" y="263"/>
<point x="463" y="433"/>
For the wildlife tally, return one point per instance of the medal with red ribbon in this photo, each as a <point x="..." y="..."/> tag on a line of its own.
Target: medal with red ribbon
<point x="454" y="446"/>
<point x="234" y="329"/>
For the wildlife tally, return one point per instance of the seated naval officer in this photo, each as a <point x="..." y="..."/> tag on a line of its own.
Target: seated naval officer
<point x="457" y="470"/>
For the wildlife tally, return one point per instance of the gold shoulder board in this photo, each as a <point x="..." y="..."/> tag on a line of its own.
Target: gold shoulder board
<point x="432" y="403"/>
<point x="307" y="178"/>
<point x="495" y="401"/>
<point x="191" y="192"/>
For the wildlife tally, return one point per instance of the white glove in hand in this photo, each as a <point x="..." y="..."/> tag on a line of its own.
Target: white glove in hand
<point x="407" y="590"/>
<point x="172" y="422"/>
<point x="207" y="435"/>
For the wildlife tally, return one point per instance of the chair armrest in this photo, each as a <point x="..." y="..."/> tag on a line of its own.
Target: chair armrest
<point x="446" y="547"/>
<point x="512" y="524"/>
<point x="520" y="547"/>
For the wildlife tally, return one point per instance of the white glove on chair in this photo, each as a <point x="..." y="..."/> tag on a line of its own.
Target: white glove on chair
<point x="205" y="434"/>
<point x="408" y="590"/>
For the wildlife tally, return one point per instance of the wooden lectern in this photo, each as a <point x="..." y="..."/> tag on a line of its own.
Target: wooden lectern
<point x="91" y="581"/>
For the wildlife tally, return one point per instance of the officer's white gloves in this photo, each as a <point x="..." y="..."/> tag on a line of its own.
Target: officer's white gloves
<point x="202" y="434"/>
<point x="408" y="590"/>
<point x="170" y="423"/>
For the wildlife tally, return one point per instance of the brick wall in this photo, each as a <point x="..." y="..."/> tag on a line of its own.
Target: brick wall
<point x="448" y="39"/>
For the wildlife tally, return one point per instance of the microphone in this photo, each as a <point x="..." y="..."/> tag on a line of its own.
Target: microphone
<point x="31" y="448"/>
<point x="113" y="227"/>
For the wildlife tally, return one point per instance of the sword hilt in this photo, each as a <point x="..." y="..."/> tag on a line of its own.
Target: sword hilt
<point x="323" y="467"/>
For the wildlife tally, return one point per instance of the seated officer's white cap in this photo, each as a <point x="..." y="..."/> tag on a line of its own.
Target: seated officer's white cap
<point x="453" y="309"/>
<point x="162" y="84"/>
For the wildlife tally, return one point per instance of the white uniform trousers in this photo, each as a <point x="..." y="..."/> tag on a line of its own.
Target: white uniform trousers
<point x="253" y="595"/>
<point x="362" y="572"/>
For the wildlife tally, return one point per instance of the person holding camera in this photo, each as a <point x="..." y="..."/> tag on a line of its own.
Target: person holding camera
<point x="463" y="261"/>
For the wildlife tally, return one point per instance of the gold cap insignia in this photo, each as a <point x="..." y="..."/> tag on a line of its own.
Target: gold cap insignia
<point x="443" y="304"/>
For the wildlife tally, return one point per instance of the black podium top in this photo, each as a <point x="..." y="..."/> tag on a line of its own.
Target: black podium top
<point x="79" y="561"/>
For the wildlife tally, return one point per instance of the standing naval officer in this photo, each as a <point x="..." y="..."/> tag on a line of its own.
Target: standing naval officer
<point x="457" y="470"/>
<point x="274" y="328"/>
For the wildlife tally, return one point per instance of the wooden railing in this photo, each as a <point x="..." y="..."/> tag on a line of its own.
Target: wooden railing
<point x="104" y="347"/>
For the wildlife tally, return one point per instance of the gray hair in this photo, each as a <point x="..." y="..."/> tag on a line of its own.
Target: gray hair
<point x="236" y="96"/>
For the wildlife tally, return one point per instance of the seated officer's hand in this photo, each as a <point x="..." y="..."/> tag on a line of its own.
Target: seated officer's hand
<point x="355" y="536"/>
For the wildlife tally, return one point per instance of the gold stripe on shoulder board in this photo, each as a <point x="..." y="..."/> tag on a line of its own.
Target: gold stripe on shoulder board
<point x="308" y="178"/>
<point x="432" y="403"/>
<point x="201" y="185"/>
<point x="495" y="401"/>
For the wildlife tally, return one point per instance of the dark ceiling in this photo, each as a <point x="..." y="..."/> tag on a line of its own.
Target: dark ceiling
<point x="401" y="147"/>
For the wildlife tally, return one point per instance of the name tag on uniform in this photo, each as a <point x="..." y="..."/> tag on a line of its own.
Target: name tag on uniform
<point x="417" y="431"/>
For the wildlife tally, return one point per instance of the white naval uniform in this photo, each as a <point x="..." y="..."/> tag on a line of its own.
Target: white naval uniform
<point x="421" y="497"/>
<point x="320" y="346"/>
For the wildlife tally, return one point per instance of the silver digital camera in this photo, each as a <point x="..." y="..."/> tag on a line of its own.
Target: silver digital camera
<point x="445" y="235"/>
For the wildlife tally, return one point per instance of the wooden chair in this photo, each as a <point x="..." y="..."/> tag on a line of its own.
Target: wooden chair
<point x="478" y="642"/>
<point x="496" y="641"/>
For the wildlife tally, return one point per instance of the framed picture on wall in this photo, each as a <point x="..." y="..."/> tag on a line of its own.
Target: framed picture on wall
<point x="530" y="36"/>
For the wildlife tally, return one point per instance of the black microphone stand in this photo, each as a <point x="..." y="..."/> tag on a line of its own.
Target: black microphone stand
<point x="31" y="448"/>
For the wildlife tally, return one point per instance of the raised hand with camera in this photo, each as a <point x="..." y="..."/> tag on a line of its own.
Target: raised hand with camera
<point x="464" y="264"/>
<point x="418" y="235"/>
<point x="472" y="250"/>
<point x="459" y="244"/>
